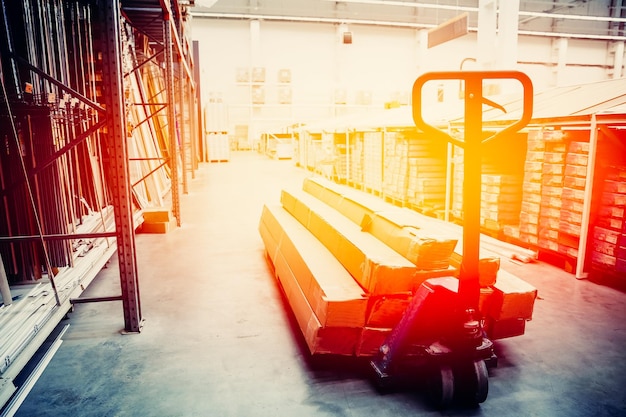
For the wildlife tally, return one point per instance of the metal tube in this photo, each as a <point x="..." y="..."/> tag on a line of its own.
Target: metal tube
<point x="469" y="289"/>
<point x="95" y="299"/>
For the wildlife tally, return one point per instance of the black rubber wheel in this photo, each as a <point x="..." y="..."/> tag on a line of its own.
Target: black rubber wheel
<point x="441" y="386"/>
<point x="479" y="382"/>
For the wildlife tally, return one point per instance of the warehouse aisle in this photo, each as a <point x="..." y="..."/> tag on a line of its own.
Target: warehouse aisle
<point x="219" y="340"/>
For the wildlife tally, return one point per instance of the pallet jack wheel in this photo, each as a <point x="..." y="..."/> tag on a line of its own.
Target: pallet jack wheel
<point x="481" y="380"/>
<point x="475" y="380"/>
<point x="441" y="386"/>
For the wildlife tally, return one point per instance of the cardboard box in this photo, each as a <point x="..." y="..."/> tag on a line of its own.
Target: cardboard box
<point x="488" y="270"/>
<point x="371" y="340"/>
<point x="157" y="215"/>
<point x="501" y="329"/>
<point x="512" y="298"/>
<point x="386" y="310"/>
<point x="157" y="228"/>
<point x="157" y="220"/>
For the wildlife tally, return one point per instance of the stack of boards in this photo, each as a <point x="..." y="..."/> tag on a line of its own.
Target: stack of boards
<point x="349" y="264"/>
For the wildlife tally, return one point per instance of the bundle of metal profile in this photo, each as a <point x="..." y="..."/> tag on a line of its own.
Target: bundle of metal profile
<point x="35" y="310"/>
<point x="49" y="181"/>
<point x="54" y="166"/>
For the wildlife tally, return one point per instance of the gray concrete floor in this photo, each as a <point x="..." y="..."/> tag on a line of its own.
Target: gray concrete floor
<point x="219" y="339"/>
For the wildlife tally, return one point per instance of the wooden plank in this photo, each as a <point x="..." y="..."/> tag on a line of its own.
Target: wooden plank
<point x="321" y="322"/>
<point x="374" y="265"/>
<point x="361" y="203"/>
<point x="328" y="288"/>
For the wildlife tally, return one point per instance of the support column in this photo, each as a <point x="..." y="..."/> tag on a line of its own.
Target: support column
<point x="486" y="36"/>
<point x="618" y="59"/>
<point x="198" y="143"/>
<point x="586" y="215"/>
<point x="421" y="40"/>
<point x="508" y="18"/>
<point x="181" y="123"/>
<point x="192" y="132"/>
<point x="182" y="78"/>
<point x="120" y="178"/>
<point x="171" y="115"/>
<point x="559" y="52"/>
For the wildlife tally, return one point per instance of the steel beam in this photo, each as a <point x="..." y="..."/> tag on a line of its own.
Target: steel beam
<point x="168" y="28"/>
<point x="199" y="118"/>
<point x="181" y="121"/>
<point x="120" y="178"/>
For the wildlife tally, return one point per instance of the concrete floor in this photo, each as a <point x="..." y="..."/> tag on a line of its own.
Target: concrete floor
<point x="219" y="340"/>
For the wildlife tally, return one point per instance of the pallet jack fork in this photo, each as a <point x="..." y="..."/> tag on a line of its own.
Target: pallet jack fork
<point x="440" y="335"/>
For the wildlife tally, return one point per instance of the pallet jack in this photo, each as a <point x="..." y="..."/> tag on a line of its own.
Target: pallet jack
<point x="440" y="335"/>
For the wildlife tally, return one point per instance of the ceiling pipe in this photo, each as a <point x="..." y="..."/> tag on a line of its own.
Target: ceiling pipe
<point x="244" y="16"/>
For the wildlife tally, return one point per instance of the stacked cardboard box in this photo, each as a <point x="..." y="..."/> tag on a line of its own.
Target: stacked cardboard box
<point x="428" y="193"/>
<point x="573" y="194"/>
<point x="531" y="190"/>
<point x="608" y="244"/>
<point x="373" y="161"/>
<point x="501" y="200"/>
<point x="426" y="188"/>
<point x="551" y="188"/>
<point x="356" y="160"/>
<point x="341" y="162"/>
<point x="500" y="196"/>
<point x="395" y="163"/>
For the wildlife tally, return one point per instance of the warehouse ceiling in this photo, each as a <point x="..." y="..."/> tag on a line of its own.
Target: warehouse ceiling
<point x="604" y="19"/>
<point x="147" y="15"/>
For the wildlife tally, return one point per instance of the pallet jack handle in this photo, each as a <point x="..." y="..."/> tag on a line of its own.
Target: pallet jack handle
<point x="469" y="289"/>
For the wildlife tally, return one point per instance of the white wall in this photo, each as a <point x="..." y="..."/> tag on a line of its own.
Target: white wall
<point x="381" y="60"/>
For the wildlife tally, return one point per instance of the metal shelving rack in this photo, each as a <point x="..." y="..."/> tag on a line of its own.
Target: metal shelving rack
<point x="76" y="79"/>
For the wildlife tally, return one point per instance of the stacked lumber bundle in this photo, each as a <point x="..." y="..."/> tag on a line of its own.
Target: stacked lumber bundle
<point x="328" y="304"/>
<point x="427" y="173"/>
<point x="348" y="255"/>
<point x="396" y="165"/>
<point x="608" y="244"/>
